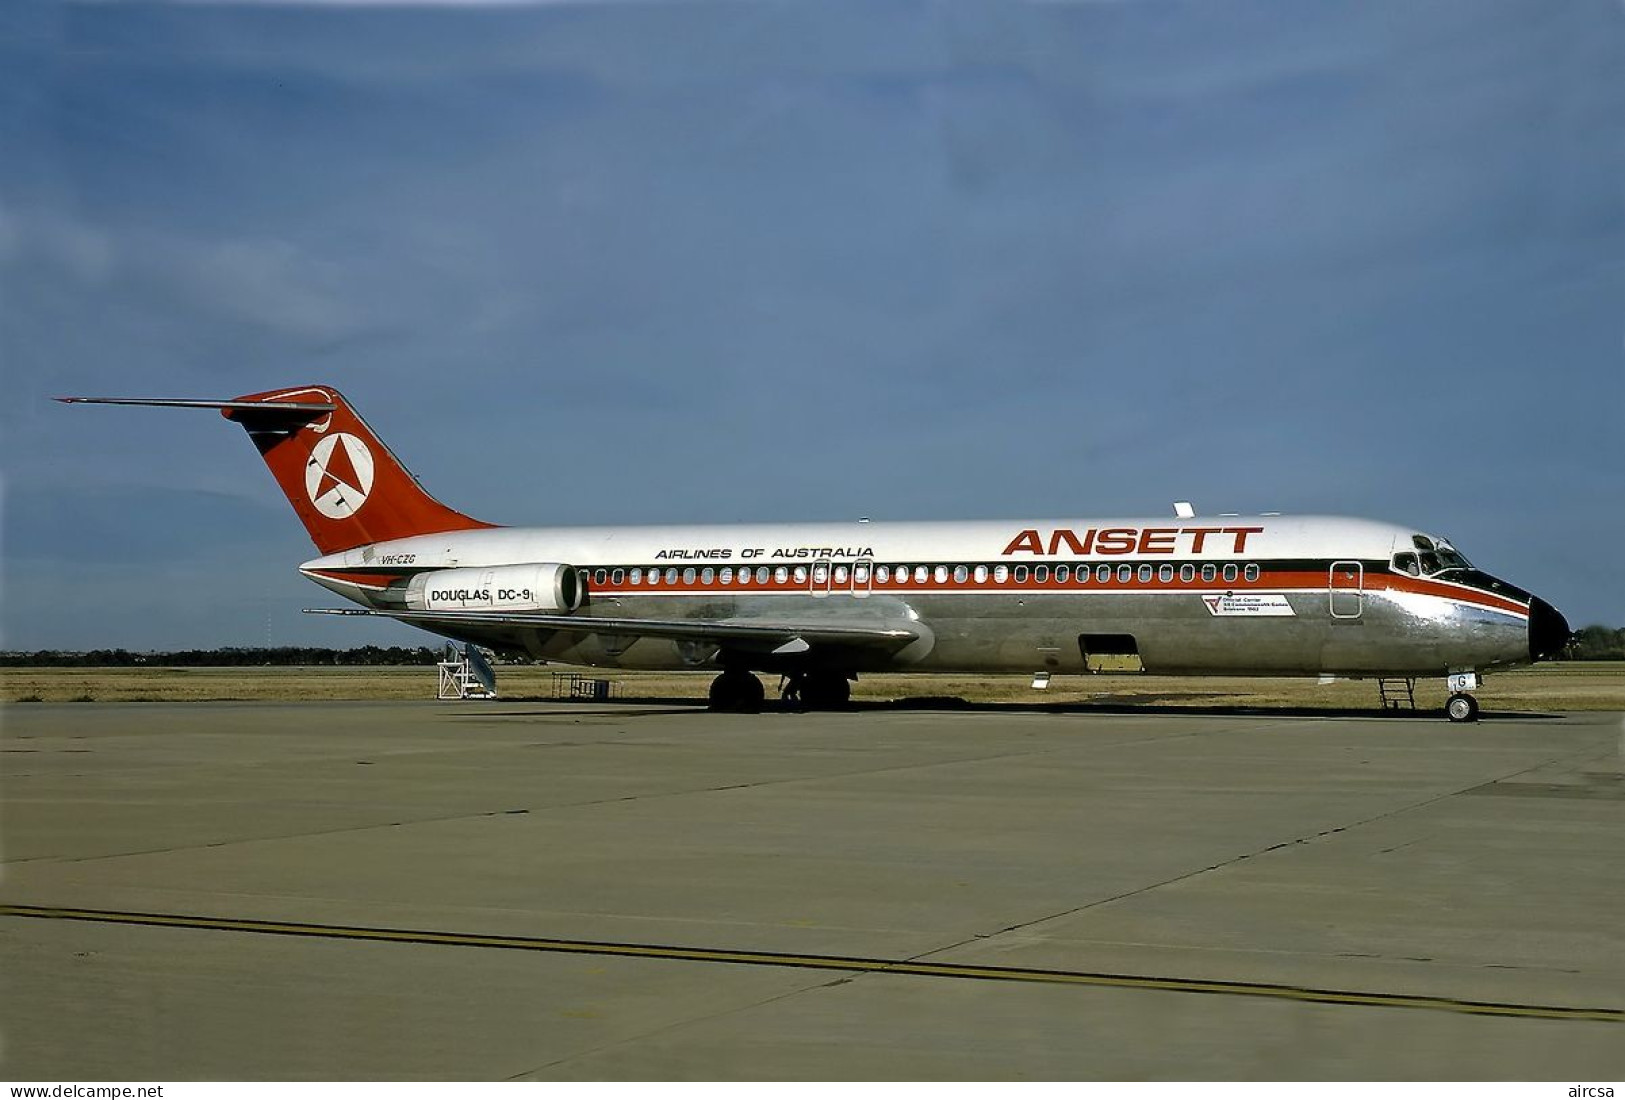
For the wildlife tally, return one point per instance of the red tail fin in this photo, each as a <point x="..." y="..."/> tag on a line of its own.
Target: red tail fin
<point x="340" y="478"/>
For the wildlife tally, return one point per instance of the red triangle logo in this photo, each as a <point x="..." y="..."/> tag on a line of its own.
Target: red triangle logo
<point x="339" y="471"/>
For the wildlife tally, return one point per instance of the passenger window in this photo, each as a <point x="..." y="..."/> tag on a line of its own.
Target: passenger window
<point x="1001" y="573"/>
<point x="883" y="573"/>
<point x="1021" y="574"/>
<point x="654" y="576"/>
<point x="841" y="574"/>
<point x="708" y="575"/>
<point x="1062" y="572"/>
<point x="1125" y="573"/>
<point x="618" y="576"/>
<point x="1210" y="573"/>
<point x="940" y="574"/>
<point x="671" y="576"/>
<point x="1252" y="573"/>
<point x="781" y="574"/>
<point x="727" y="574"/>
<point x="1145" y="574"/>
<point x="921" y="574"/>
<point x="1103" y="574"/>
<point x="820" y="574"/>
<point x="1187" y="573"/>
<point x="1040" y="573"/>
<point x="801" y="574"/>
<point x="637" y="575"/>
<point x="981" y="574"/>
<point x="1165" y="574"/>
<point x="600" y="577"/>
<point x="1230" y="574"/>
<point x="688" y="575"/>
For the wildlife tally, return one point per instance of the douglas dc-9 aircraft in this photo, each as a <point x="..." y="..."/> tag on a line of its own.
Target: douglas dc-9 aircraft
<point x="820" y="603"/>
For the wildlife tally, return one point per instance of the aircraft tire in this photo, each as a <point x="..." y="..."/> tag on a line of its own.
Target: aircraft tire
<point x="1461" y="707"/>
<point x="826" y="691"/>
<point x="737" y="692"/>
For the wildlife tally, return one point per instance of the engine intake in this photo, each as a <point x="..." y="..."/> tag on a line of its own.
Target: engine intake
<point x="545" y="586"/>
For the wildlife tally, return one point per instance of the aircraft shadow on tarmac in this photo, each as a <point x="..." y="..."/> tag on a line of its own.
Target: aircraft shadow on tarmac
<point x="1119" y="705"/>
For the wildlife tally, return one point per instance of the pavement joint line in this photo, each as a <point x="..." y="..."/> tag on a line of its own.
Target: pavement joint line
<point x="851" y="964"/>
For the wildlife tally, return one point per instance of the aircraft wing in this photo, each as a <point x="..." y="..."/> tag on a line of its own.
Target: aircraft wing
<point x="777" y="637"/>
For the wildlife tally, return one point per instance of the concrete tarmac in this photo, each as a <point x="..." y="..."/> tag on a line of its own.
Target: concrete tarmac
<point x="540" y="891"/>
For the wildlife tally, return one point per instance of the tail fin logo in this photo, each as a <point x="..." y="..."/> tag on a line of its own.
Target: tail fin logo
<point x="339" y="475"/>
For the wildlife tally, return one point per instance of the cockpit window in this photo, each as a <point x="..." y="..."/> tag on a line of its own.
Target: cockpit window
<point x="1450" y="556"/>
<point x="1430" y="563"/>
<point x="1437" y="556"/>
<point x="1449" y="559"/>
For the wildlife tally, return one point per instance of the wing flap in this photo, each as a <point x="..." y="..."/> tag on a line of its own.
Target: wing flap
<point x="753" y="632"/>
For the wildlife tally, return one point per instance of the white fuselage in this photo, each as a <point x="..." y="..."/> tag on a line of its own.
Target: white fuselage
<point x="1234" y="595"/>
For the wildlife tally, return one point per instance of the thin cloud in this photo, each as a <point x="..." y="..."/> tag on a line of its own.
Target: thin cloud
<point x="504" y="4"/>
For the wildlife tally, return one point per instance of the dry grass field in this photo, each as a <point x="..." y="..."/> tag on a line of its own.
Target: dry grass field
<point x="1548" y="687"/>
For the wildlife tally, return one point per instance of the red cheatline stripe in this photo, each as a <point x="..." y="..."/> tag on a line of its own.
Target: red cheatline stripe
<point x="1299" y="581"/>
<point x="1281" y="581"/>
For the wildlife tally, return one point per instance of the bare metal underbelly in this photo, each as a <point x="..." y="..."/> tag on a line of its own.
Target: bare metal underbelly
<point x="1173" y="633"/>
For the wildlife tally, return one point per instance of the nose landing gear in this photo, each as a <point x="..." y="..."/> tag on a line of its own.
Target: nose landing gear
<point x="1462" y="707"/>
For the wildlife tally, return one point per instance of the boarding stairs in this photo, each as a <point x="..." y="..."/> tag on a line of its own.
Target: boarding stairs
<point x="466" y="674"/>
<point x="1397" y="694"/>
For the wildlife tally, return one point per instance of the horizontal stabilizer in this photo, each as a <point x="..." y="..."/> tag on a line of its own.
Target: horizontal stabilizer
<point x="181" y="403"/>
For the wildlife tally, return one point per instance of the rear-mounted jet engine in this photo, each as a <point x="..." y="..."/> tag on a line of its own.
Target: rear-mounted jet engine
<point x="546" y="586"/>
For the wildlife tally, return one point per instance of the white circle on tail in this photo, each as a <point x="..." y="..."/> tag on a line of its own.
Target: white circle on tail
<point x="338" y="476"/>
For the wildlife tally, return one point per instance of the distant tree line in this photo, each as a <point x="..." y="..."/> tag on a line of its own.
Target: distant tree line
<point x="228" y="657"/>
<point x="1596" y="643"/>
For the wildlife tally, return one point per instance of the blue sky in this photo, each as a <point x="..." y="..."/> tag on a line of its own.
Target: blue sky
<point x="645" y="262"/>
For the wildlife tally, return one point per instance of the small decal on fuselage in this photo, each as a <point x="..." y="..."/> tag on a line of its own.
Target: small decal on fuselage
<point x="1253" y="604"/>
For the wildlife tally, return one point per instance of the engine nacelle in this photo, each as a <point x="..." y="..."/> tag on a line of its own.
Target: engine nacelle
<point x="545" y="586"/>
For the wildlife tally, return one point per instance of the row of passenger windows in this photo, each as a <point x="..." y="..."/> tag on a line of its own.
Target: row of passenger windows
<point x="840" y="576"/>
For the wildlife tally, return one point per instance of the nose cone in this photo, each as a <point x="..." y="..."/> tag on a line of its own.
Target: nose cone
<point x="1548" y="630"/>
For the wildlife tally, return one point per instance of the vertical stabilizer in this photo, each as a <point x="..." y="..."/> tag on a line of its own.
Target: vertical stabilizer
<point x="340" y="478"/>
<point x="344" y="483"/>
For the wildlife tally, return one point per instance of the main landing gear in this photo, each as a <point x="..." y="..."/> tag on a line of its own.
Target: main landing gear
<point x="818" y="690"/>
<point x="736" y="691"/>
